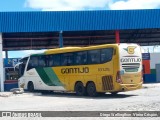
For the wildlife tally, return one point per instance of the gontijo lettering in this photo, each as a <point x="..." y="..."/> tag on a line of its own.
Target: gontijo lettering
<point x="131" y="60"/>
<point x="74" y="70"/>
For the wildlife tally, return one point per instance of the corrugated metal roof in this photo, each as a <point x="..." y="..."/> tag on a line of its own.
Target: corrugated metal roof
<point x="79" y="20"/>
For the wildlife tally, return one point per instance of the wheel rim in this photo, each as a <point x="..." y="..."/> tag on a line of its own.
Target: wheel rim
<point x="79" y="89"/>
<point x="91" y="89"/>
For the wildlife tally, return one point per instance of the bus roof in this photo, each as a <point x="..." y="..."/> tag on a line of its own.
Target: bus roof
<point x="70" y="49"/>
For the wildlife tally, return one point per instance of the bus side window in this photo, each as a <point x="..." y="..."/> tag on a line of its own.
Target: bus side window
<point x="106" y="55"/>
<point x="63" y="60"/>
<point x="80" y="58"/>
<point x="42" y="61"/>
<point x="33" y="62"/>
<point x="56" y="60"/>
<point x="67" y="59"/>
<point x="70" y="59"/>
<point x="50" y="61"/>
<point x="93" y="56"/>
<point x="53" y="60"/>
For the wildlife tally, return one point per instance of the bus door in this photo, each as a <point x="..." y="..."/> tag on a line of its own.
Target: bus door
<point x="21" y="70"/>
<point x="32" y="72"/>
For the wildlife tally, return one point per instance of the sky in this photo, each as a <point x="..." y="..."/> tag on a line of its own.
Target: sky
<point x="72" y="5"/>
<point x="64" y="5"/>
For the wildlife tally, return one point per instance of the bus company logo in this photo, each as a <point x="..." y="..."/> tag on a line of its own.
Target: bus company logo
<point x="130" y="60"/>
<point x="74" y="70"/>
<point x="130" y="49"/>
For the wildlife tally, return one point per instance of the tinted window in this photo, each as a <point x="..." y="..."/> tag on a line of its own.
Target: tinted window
<point x="81" y="58"/>
<point x="106" y="55"/>
<point x="24" y="60"/>
<point x="22" y="66"/>
<point x="54" y="60"/>
<point x="94" y="56"/>
<point x="67" y="59"/>
<point x="42" y="61"/>
<point x="33" y="62"/>
<point x="50" y="61"/>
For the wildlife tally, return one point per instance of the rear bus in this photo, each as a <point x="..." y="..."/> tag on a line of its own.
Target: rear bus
<point x="129" y="75"/>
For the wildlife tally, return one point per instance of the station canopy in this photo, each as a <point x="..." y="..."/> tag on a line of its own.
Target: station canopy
<point x="48" y="40"/>
<point x="41" y="30"/>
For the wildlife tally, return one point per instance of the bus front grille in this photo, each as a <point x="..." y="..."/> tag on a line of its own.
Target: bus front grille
<point x="107" y="83"/>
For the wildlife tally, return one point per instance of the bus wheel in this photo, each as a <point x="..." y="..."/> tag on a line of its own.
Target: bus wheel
<point x="30" y="87"/>
<point x="80" y="89"/>
<point x="91" y="89"/>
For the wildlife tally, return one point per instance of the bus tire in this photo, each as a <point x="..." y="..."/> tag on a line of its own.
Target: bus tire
<point x="30" y="87"/>
<point x="80" y="89"/>
<point x="91" y="89"/>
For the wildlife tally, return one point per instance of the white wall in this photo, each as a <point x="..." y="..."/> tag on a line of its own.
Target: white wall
<point x="154" y="59"/>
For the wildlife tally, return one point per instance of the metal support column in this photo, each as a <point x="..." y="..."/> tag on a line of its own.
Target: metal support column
<point x="60" y="39"/>
<point x="1" y="65"/>
<point x="117" y="36"/>
<point x="6" y="54"/>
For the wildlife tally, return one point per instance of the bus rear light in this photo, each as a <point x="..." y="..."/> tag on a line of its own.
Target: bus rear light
<point x="118" y="77"/>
